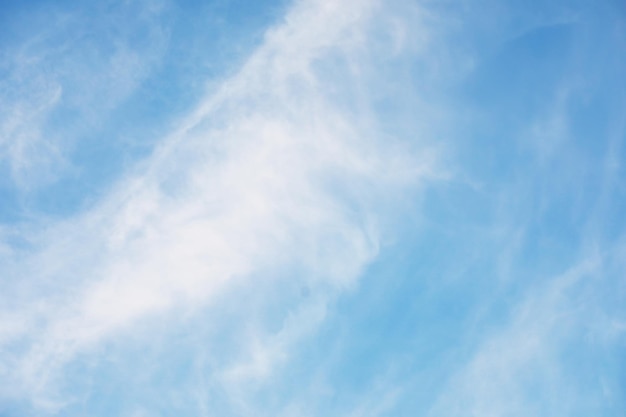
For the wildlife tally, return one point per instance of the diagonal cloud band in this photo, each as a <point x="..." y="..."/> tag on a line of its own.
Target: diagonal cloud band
<point x="269" y="173"/>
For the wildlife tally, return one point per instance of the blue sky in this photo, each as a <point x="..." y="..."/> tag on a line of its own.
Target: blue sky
<point x="312" y="208"/>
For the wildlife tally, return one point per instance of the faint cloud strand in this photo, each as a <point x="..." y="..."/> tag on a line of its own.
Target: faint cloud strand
<point x="59" y="82"/>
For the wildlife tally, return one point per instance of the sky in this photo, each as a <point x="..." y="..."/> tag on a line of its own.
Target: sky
<point x="299" y="208"/>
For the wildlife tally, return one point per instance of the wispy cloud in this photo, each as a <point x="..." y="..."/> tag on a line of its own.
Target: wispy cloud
<point x="60" y="81"/>
<point x="539" y="361"/>
<point x="270" y="173"/>
<point x="231" y="271"/>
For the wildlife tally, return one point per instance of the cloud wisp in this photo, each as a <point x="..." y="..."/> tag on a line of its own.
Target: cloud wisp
<point x="61" y="82"/>
<point x="269" y="174"/>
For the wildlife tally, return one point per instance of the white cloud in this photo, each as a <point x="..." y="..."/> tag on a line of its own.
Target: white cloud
<point x="268" y="173"/>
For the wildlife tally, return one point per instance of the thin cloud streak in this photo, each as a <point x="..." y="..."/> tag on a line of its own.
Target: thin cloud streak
<point x="528" y="366"/>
